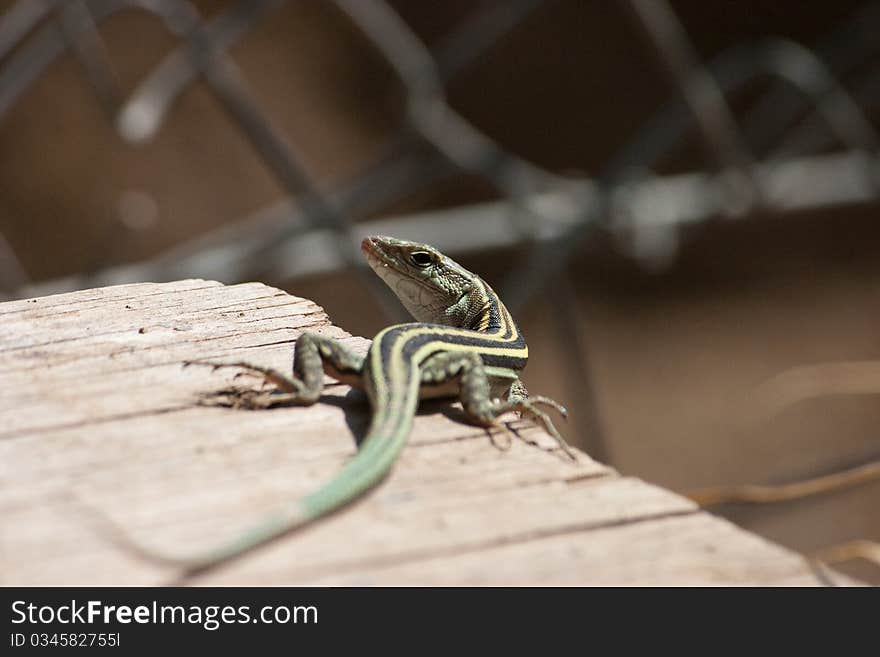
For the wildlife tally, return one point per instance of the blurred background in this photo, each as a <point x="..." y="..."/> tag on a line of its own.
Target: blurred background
<point x="678" y="200"/>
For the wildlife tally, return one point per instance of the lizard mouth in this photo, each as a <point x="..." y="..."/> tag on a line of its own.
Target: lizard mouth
<point x="375" y="254"/>
<point x="390" y="269"/>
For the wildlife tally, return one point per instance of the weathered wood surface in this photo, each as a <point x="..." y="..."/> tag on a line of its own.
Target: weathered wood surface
<point x="96" y="412"/>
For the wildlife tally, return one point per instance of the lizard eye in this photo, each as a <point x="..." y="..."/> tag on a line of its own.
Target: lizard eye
<point x="421" y="258"/>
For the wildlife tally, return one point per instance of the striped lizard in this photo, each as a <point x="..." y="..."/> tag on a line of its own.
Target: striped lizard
<point x="464" y="343"/>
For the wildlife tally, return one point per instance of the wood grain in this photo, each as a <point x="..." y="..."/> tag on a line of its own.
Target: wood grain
<point x="97" y="412"/>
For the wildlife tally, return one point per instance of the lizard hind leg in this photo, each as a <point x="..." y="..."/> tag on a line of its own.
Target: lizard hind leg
<point x="475" y="392"/>
<point x="519" y="400"/>
<point x="528" y="407"/>
<point x="286" y="390"/>
<point x="313" y="354"/>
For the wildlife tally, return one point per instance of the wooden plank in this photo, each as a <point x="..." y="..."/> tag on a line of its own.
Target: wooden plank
<point x="98" y="413"/>
<point x="674" y="550"/>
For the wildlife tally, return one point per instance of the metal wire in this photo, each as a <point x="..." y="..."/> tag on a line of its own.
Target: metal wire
<point x="546" y="214"/>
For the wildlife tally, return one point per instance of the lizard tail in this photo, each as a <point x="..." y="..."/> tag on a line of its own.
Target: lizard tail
<point x="385" y="439"/>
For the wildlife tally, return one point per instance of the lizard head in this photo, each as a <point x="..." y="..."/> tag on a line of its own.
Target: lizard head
<point x="433" y="287"/>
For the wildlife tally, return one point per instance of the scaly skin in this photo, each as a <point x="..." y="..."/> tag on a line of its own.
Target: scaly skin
<point x="464" y="342"/>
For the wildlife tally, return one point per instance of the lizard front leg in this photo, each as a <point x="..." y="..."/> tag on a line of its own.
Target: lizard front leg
<point x="313" y="355"/>
<point x="475" y="388"/>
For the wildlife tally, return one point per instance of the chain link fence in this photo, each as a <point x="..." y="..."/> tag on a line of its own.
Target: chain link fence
<point x="807" y="141"/>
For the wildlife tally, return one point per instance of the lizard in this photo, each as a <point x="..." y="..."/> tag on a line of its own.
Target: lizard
<point x="463" y="343"/>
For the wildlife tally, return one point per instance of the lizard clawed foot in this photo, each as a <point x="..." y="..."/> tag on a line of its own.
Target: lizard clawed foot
<point x="552" y="403"/>
<point x="268" y="374"/>
<point x="493" y="436"/>
<point x="246" y="398"/>
<point x="288" y="391"/>
<point x="527" y="407"/>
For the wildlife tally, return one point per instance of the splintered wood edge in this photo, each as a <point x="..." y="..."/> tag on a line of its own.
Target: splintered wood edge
<point x="98" y="412"/>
